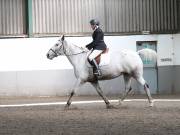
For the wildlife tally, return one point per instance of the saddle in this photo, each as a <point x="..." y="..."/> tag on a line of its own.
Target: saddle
<point x="98" y="58"/>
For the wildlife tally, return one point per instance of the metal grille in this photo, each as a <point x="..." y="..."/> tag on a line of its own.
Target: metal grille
<point x="12" y="17"/>
<point x="156" y="16"/>
<point x="178" y="15"/>
<point x="65" y="16"/>
<point x="72" y="16"/>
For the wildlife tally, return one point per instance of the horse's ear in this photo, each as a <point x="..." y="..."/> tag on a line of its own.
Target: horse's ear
<point x="62" y="38"/>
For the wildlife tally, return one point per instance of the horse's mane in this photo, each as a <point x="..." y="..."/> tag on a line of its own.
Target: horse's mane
<point x="83" y="49"/>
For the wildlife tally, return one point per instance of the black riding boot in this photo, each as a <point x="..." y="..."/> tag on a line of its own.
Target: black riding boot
<point x="97" y="71"/>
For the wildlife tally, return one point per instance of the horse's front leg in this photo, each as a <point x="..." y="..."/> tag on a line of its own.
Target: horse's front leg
<point x="78" y="83"/>
<point x="100" y="92"/>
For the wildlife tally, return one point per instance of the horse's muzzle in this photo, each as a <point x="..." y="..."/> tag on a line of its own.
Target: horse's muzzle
<point x="47" y="55"/>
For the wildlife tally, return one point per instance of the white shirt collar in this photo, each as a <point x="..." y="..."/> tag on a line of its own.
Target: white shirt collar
<point x="96" y="27"/>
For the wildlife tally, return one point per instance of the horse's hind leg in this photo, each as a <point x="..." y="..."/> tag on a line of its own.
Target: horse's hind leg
<point x="146" y="89"/>
<point x="127" y="81"/>
<point x="100" y="92"/>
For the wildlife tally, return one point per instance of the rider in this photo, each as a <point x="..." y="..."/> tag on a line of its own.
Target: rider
<point x="97" y="45"/>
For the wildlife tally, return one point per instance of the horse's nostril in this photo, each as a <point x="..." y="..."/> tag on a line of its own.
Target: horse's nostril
<point x="47" y="55"/>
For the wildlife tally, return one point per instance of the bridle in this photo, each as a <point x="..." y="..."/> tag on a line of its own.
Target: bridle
<point x="65" y="52"/>
<point x="53" y="52"/>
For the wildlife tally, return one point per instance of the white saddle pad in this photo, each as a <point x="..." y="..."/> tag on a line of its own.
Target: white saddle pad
<point x="105" y="59"/>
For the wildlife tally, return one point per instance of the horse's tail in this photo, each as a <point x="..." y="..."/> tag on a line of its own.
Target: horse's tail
<point x="148" y="54"/>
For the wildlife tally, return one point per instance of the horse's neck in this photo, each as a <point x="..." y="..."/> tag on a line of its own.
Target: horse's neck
<point x="73" y="56"/>
<point x="73" y="49"/>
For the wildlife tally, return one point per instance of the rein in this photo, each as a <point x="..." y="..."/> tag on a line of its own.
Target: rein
<point x="65" y="52"/>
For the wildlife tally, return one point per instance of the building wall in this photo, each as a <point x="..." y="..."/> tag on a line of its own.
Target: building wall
<point x="25" y="70"/>
<point x="116" y="16"/>
<point x="47" y="17"/>
<point x="65" y="16"/>
<point x="178" y="13"/>
<point x="141" y="15"/>
<point x="176" y="62"/>
<point x="176" y="43"/>
<point x="12" y="17"/>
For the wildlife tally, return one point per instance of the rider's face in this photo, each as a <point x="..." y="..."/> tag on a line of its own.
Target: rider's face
<point x="93" y="27"/>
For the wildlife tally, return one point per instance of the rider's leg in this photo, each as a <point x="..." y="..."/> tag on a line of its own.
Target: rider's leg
<point x="97" y="70"/>
<point x="92" y="57"/>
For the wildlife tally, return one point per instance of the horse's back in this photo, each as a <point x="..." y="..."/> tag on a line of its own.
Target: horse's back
<point x="126" y="60"/>
<point x="126" y="56"/>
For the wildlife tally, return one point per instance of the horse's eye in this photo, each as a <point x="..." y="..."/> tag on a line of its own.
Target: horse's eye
<point x="56" y="44"/>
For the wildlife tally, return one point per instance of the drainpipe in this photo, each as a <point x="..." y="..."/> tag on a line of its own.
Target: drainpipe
<point x="29" y="18"/>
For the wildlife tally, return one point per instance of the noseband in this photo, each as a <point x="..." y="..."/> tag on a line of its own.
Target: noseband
<point x="56" y="54"/>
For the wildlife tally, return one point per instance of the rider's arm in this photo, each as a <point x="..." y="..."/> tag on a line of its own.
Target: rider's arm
<point x="89" y="46"/>
<point x="97" y="37"/>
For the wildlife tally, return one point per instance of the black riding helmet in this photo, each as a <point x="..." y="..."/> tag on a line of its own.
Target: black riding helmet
<point x="94" y="22"/>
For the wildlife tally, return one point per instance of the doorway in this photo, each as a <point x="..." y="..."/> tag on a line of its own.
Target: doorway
<point x="150" y="67"/>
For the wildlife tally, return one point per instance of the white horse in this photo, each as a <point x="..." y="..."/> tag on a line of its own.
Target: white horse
<point x="126" y="63"/>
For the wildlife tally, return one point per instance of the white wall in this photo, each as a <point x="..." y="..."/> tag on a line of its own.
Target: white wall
<point x="25" y="70"/>
<point x="30" y="53"/>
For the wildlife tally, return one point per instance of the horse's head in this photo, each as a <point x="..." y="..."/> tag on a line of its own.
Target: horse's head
<point x="57" y="49"/>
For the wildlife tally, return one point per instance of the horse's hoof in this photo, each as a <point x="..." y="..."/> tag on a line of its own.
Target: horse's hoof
<point x="151" y="104"/>
<point x="110" y="107"/>
<point x="66" y="107"/>
<point x="120" y="102"/>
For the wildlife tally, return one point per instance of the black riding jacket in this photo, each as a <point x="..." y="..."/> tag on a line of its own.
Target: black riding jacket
<point x="98" y="40"/>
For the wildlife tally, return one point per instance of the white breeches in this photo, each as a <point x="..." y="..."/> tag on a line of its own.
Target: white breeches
<point x="94" y="54"/>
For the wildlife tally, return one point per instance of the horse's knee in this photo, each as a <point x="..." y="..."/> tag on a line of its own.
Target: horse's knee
<point x="146" y="86"/>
